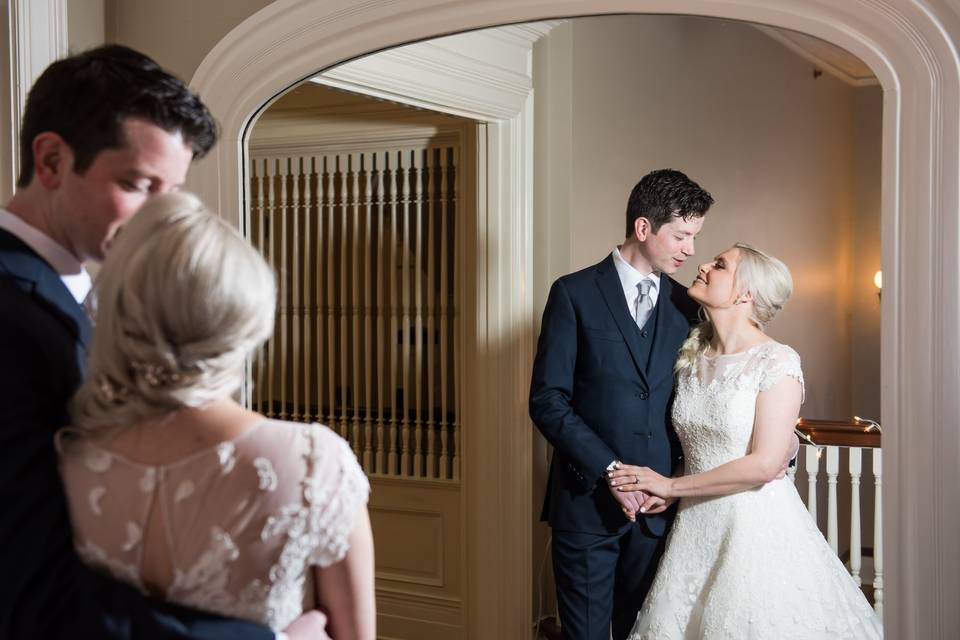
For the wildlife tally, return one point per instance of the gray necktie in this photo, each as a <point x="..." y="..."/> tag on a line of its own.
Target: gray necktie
<point x="644" y="303"/>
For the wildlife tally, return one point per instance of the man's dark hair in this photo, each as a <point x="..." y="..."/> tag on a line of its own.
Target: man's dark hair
<point x="663" y="195"/>
<point x="85" y="99"/>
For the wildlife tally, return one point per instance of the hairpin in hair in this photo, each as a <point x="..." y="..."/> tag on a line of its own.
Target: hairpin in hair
<point x="111" y="392"/>
<point x="155" y="375"/>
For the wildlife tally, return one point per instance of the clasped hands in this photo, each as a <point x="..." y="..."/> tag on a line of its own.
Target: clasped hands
<point x="639" y="490"/>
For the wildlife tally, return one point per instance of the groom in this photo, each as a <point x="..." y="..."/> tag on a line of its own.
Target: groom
<point x="600" y="393"/>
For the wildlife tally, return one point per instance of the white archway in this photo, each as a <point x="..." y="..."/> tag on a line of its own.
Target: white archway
<point x="912" y="48"/>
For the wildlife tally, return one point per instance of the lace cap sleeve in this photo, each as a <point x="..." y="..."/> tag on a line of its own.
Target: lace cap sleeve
<point x="781" y="361"/>
<point x="337" y="487"/>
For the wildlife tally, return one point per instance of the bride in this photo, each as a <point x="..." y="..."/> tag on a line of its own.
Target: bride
<point x="173" y="486"/>
<point x="744" y="558"/>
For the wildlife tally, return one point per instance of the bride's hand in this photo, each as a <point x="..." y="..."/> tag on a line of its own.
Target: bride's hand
<point x="631" y="478"/>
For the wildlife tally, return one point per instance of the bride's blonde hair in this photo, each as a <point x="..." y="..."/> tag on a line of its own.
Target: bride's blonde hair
<point x="766" y="278"/>
<point x="182" y="299"/>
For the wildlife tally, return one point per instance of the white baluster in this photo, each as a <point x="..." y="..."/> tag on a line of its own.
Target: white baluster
<point x="812" y="460"/>
<point x="878" y="534"/>
<point x="856" y="469"/>
<point x="833" y="469"/>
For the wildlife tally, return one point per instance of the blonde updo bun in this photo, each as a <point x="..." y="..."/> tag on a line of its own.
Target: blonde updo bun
<point x="182" y="299"/>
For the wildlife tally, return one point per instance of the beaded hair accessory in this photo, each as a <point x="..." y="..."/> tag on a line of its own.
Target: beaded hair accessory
<point x="155" y="375"/>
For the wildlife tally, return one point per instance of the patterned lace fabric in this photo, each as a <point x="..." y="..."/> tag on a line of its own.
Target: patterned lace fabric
<point x="751" y="564"/>
<point x="244" y="520"/>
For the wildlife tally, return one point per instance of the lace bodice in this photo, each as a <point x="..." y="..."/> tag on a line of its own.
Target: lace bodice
<point x="716" y="400"/>
<point x="244" y="520"/>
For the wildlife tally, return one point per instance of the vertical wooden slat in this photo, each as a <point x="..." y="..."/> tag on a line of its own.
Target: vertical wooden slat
<point x="343" y="312"/>
<point x="444" y="300"/>
<point x="430" y="301"/>
<point x="296" y="305"/>
<point x="833" y="469"/>
<point x="356" y="357"/>
<point x="322" y="319"/>
<point x="856" y="469"/>
<point x="260" y="169"/>
<point x="366" y="246"/>
<point x="404" y="169"/>
<point x="878" y="532"/>
<point x="416" y="245"/>
<point x="455" y="326"/>
<point x="381" y="327"/>
<point x="283" y="170"/>
<point x="813" y="470"/>
<point x="330" y="171"/>
<point x="271" y="258"/>
<point x="309" y="255"/>
<point x="393" y="310"/>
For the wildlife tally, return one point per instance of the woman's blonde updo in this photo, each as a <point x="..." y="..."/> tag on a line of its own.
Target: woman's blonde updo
<point x="766" y="278"/>
<point x="182" y="299"/>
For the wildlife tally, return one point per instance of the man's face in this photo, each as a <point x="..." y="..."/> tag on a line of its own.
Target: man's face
<point x="668" y="248"/>
<point x="92" y="206"/>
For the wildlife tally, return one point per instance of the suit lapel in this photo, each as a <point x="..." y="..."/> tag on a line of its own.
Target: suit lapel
<point x="38" y="279"/>
<point x="672" y="329"/>
<point x="612" y="291"/>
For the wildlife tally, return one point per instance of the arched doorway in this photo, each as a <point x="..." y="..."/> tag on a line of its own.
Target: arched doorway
<point x="911" y="53"/>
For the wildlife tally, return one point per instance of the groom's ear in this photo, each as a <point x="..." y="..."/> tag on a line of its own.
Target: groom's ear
<point x="642" y="228"/>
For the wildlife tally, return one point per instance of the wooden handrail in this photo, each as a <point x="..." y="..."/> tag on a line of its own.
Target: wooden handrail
<point x="839" y="433"/>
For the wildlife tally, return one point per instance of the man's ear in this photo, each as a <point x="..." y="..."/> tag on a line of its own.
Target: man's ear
<point x="642" y="228"/>
<point x="51" y="155"/>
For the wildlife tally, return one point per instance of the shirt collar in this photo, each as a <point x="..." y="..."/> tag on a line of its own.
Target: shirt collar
<point x="630" y="277"/>
<point x="71" y="271"/>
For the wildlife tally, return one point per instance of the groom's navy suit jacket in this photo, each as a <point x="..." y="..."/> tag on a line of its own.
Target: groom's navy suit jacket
<point x="45" y="592"/>
<point x="601" y="390"/>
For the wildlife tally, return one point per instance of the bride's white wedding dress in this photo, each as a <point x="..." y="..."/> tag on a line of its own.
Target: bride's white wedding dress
<point x="752" y="564"/>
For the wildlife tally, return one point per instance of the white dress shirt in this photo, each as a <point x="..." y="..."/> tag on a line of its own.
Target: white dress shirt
<point x="630" y="280"/>
<point x="71" y="271"/>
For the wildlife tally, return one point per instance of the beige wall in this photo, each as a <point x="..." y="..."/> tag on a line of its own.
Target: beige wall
<point x="865" y="242"/>
<point x="176" y="33"/>
<point x="86" y="24"/>
<point x="745" y="117"/>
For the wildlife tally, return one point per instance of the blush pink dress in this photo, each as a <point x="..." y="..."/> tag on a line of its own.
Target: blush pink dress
<point x="245" y="520"/>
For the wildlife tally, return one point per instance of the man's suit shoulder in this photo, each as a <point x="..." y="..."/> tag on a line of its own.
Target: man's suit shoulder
<point x="583" y="276"/>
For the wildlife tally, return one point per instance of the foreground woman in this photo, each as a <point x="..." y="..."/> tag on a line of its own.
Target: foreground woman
<point x="175" y="488"/>
<point x="744" y="559"/>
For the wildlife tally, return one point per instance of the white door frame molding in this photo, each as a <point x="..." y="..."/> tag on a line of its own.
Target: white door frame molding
<point x="36" y="35"/>
<point x="911" y="46"/>
<point x="456" y="75"/>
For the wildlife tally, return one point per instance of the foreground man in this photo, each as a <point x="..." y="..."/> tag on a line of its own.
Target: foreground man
<point x="102" y="132"/>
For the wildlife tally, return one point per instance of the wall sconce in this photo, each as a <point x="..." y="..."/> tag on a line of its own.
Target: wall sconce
<point x="878" y="282"/>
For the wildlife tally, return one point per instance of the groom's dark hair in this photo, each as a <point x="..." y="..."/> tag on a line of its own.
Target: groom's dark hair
<point x="85" y="99"/>
<point x="663" y="195"/>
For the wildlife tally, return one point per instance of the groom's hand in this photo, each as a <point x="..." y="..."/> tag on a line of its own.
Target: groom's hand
<point x="655" y="504"/>
<point x="629" y="501"/>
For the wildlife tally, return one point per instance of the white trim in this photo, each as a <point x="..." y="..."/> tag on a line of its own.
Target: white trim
<point x="37" y="31"/>
<point x="910" y="45"/>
